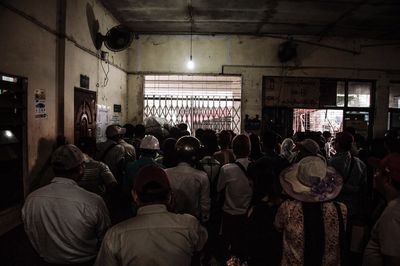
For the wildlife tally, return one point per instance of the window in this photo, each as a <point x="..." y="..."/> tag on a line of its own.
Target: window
<point x="359" y="94"/>
<point x="200" y="101"/>
<point x="394" y="95"/>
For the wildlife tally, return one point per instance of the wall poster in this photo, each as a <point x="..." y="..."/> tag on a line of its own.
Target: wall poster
<point x="40" y="103"/>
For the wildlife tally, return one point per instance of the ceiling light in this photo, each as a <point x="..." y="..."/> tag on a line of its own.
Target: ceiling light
<point x="190" y="63"/>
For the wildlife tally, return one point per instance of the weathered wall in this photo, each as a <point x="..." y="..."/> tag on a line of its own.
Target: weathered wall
<point x="29" y="46"/>
<point x="79" y="62"/>
<point x="255" y="57"/>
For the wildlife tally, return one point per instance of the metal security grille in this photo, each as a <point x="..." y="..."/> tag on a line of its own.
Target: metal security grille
<point x="317" y="120"/>
<point x="200" y="101"/>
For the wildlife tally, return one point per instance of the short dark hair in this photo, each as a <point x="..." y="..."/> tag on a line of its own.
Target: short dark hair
<point x="241" y="146"/>
<point x="153" y="192"/>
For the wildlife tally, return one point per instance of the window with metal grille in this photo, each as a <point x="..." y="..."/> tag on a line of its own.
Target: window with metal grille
<point x="199" y="101"/>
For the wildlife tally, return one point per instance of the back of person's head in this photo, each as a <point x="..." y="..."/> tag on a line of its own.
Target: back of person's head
<point x="241" y="146"/>
<point x="327" y="135"/>
<point x="115" y="132"/>
<point x="151" y="185"/>
<point x="87" y="145"/>
<point x="149" y="146"/>
<point x="344" y="140"/>
<point x="270" y="140"/>
<point x="175" y="133"/>
<point x="199" y="134"/>
<point x="187" y="149"/>
<point x="389" y="168"/>
<point x="130" y="131"/>
<point x="255" y="143"/>
<point x="210" y="142"/>
<point x="140" y="131"/>
<point x="307" y="147"/>
<point x="67" y="161"/>
<point x="350" y="130"/>
<point x="182" y="126"/>
<point x="224" y="139"/>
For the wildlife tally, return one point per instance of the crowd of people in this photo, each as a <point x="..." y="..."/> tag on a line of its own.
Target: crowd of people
<point x="218" y="198"/>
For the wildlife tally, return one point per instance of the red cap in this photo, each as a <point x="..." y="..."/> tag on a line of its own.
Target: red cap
<point x="151" y="174"/>
<point x="391" y="162"/>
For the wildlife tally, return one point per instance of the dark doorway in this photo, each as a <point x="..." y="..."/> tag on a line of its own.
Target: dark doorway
<point x="12" y="139"/>
<point x="85" y="114"/>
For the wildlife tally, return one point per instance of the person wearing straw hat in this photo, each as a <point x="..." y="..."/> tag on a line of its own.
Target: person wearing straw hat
<point x="313" y="225"/>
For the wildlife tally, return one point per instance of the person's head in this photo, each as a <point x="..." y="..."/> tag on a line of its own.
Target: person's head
<point x="130" y="131"/>
<point x="287" y="145"/>
<point x="199" y="134"/>
<point x="241" y="146"/>
<point x="87" y="145"/>
<point x="327" y="135"/>
<point x="270" y="140"/>
<point x="187" y="149"/>
<point x="224" y="139"/>
<point x="149" y="146"/>
<point x="255" y="143"/>
<point x="387" y="174"/>
<point x="68" y="161"/>
<point x="311" y="180"/>
<point x="307" y="147"/>
<point x="115" y="132"/>
<point x="140" y="131"/>
<point x="175" y="133"/>
<point x="210" y="142"/>
<point x="151" y="186"/>
<point x="350" y="130"/>
<point x="343" y="142"/>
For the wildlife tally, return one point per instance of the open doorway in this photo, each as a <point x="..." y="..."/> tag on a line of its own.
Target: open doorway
<point x="318" y="120"/>
<point x="200" y="101"/>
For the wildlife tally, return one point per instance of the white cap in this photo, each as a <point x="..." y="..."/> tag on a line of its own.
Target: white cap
<point x="149" y="142"/>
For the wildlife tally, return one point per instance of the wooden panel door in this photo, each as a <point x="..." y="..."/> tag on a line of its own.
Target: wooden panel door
<point x="85" y="114"/>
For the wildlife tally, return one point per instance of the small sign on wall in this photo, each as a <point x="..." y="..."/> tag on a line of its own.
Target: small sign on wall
<point x="117" y="108"/>
<point x="40" y="104"/>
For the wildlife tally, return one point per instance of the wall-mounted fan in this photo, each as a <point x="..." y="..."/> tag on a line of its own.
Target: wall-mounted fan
<point x="117" y="38"/>
<point x="287" y="51"/>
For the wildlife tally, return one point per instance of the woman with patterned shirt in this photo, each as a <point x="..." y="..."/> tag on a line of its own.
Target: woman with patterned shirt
<point x="313" y="225"/>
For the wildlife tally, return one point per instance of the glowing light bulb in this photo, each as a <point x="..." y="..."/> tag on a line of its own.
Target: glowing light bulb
<point x="190" y="64"/>
<point x="8" y="133"/>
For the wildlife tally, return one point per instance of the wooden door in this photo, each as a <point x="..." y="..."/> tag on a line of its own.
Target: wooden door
<point x="85" y="114"/>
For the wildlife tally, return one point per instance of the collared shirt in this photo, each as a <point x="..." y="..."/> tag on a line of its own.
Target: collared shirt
<point x="96" y="176"/>
<point x="154" y="237"/>
<point x="290" y="221"/>
<point x="130" y="152"/>
<point x="191" y="189"/>
<point x="64" y="222"/>
<point x="238" y="190"/>
<point x="113" y="157"/>
<point x="385" y="236"/>
<point x="353" y="181"/>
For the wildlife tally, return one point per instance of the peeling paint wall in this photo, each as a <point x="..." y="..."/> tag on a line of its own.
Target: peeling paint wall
<point x="255" y="57"/>
<point x="29" y="46"/>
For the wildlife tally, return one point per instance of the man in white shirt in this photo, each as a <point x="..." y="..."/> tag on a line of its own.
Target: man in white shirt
<point x="237" y="189"/>
<point x="155" y="236"/>
<point x="383" y="248"/>
<point x="64" y="222"/>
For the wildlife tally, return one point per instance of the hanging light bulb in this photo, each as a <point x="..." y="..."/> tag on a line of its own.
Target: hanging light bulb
<point x="190" y="63"/>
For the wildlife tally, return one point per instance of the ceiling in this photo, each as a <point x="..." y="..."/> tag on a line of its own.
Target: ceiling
<point x="375" y="19"/>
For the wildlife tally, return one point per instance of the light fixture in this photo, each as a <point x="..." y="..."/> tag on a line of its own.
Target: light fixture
<point x="190" y="63"/>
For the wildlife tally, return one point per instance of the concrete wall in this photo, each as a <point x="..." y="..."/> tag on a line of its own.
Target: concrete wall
<point x="30" y="46"/>
<point x="255" y="57"/>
